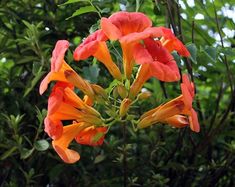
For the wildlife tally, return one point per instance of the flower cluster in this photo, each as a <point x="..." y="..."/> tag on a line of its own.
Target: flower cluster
<point x="147" y="47"/>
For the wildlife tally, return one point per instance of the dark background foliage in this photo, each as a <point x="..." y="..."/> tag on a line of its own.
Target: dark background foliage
<point x="157" y="156"/>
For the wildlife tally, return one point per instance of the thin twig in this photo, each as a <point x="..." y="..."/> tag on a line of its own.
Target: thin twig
<point x="222" y="43"/>
<point x="171" y="17"/>
<point x="163" y="89"/>
<point x="179" y="21"/>
<point x="219" y="96"/>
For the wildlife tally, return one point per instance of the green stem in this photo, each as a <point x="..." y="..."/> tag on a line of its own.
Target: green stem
<point x="97" y="8"/>
<point x="124" y="157"/>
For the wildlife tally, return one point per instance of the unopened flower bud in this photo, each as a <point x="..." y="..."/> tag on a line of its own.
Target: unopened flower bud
<point x="115" y="92"/>
<point x="88" y="100"/>
<point x="125" y="105"/>
<point x="79" y="82"/>
<point x="122" y="91"/>
<point x="99" y="90"/>
<point x="144" y="95"/>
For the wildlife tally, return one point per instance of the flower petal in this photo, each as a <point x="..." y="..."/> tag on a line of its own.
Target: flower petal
<point x="193" y="120"/>
<point x="129" y="22"/>
<point x="110" y="30"/>
<point x="89" y="46"/>
<point x="103" y="55"/>
<point x="44" y="84"/>
<point x="187" y="97"/>
<point x="55" y="100"/>
<point x="54" y="128"/>
<point x="141" y="55"/>
<point x="188" y="84"/>
<point x="61" y="145"/>
<point x="54" y="76"/>
<point x="177" y="121"/>
<point x="58" y="54"/>
<point x="173" y="43"/>
<point x="67" y="155"/>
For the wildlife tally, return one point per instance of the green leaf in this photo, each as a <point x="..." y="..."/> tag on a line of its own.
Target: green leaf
<point x="91" y="73"/>
<point x="25" y="153"/>
<point x="33" y="82"/>
<point x="211" y="53"/>
<point x="176" y="57"/>
<point x="26" y="60"/>
<point x="227" y="51"/>
<point x="94" y="27"/>
<point x="83" y="10"/>
<point x="99" y="159"/>
<point x="27" y="24"/>
<point x="193" y="51"/>
<point x="8" y="153"/>
<point x="41" y="145"/>
<point x="73" y="1"/>
<point x="36" y="68"/>
<point x="207" y="55"/>
<point x="105" y="10"/>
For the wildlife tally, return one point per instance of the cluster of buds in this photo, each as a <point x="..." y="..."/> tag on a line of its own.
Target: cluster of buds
<point x="147" y="47"/>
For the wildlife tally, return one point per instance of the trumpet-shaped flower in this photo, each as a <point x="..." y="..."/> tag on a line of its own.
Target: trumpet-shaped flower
<point x="59" y="71"/>
<point x="123" y="24"/>
<point x="131" y="28"/>
<point x="181" y="105"/>
<point x="83" y="133"/>
<point x="95" y="45"/>
<point x="61" y="144"/>
<point x="64" y="104"/>
<point x="165" y="35"/>
<point x="156" y="62"/>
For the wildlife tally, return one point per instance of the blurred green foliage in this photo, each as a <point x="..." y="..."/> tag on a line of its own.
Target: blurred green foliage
<point x="158" y="156"/>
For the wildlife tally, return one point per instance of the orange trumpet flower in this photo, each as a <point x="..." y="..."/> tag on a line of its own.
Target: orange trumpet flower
<point x="123" y="24"/>
<point x="61" y="144"/>
<point x="165" y="35"/>
<point x="181" y="105"/>
<point x="83" y="133"/>
<point x="61" y="71"/>
<point x="95" y="45"/>
<point x="64" y="104"/>
<point x="156" y="62"/>
<point x="131" y="28"/>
